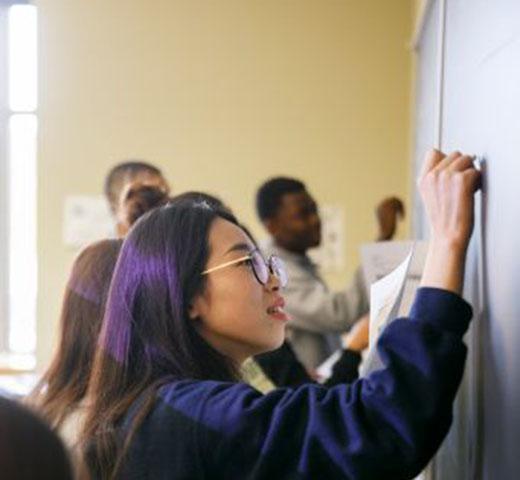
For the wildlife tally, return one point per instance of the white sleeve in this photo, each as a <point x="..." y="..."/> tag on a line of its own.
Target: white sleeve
<point x="314" y="308"/>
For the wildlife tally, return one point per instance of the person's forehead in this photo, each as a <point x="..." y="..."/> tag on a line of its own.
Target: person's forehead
<point x="224" y="235"/>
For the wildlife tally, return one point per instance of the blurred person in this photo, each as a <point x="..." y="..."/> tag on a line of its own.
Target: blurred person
<point x="290" y="215"/>
<point x="29" y="450"/>
<point x="130" y="172"/>
<point x="136" y="199"/>
<point x="60" y="394"/>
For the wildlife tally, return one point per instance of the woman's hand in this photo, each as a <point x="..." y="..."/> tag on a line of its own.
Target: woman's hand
<point x="447" y="185"/>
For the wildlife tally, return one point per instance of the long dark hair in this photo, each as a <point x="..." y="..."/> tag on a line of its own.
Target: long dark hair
<point x="64" y="384"/>
<point x="148" y="338"/>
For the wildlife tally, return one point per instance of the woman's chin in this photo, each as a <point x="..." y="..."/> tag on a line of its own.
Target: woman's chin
<point x="273" y="345"/>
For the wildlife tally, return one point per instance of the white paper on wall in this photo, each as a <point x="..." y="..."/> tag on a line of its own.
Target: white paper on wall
<point x="392" y="295"/>
<point x="330" y="255"/>
<point x="86" y="219"/>
<point x="380" y="258"/>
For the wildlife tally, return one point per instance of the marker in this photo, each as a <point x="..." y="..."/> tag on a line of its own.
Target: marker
<point x="477" y="163"/>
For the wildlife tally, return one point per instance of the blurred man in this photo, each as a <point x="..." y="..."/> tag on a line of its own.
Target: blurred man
<point x="290" y="215"/>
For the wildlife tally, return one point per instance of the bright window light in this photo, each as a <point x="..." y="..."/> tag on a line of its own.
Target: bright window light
<point x="22" y="66"/>
<point x="22" y="233"/>
<point x="21" y="178"/>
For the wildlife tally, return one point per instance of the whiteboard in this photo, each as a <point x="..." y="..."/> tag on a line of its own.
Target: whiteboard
<point x="481" y="101"/>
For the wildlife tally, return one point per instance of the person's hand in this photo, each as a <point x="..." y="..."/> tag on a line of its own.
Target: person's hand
<point x="357" y="337"/>
<point x="387" y="213"/>
<point x="447" y="185"/>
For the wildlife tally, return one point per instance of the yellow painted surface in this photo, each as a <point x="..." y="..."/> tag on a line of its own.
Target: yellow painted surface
<point x="221" y="94"/>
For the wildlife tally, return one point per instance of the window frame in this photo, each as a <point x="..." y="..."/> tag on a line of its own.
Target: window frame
<point x="10" y="360"/>
<point x="4" y="192"/>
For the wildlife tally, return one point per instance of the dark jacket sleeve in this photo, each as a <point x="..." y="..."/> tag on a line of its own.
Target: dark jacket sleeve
<point x="283" y="368"/>
<point x="346" y="369"/>
<point x="385" y="426"/>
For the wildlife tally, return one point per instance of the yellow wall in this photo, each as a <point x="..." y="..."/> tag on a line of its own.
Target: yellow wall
<point x="221" y="94"/>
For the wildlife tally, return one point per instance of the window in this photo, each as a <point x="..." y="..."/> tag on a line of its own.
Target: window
<point x="18" y="137"/>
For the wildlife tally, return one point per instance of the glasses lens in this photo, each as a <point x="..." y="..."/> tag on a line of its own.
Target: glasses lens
<point x="260" y="268"/>
<point x="278" y="269"/>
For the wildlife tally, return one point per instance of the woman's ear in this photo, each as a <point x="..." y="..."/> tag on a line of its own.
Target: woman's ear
<point x="196" y="307"/>
<point x="121" y="229"/>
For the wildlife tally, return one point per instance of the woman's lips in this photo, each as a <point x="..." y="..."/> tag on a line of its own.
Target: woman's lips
<point x="276" y="310"/>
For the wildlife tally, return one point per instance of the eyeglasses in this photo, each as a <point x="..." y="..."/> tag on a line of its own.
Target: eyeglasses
<point x="261" y="268"/>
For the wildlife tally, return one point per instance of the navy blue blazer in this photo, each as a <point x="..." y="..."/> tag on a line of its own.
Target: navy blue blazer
<point x="383" y="427"/>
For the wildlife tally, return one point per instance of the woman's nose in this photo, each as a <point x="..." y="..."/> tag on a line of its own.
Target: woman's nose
<point x="273" y="284"/>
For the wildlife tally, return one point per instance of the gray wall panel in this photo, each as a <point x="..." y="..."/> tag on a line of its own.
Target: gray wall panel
<point x="481" y="115"/>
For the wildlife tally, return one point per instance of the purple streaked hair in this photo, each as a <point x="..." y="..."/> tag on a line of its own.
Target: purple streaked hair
<point x="148" y="338"/>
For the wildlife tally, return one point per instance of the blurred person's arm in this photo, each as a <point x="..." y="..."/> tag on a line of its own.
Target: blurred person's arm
<point x="314" y="308"/>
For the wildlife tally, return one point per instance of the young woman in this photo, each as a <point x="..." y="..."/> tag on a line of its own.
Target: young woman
<point x="281" y="367"/>
<point x="191" y="298"/>
<point x="62" y="388"/>
<point x="60" y="394"/>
